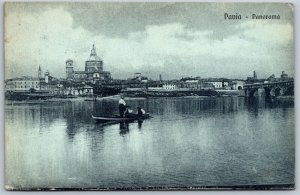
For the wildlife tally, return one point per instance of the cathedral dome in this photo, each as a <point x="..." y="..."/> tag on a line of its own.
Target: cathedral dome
<point x="93" y="55"/>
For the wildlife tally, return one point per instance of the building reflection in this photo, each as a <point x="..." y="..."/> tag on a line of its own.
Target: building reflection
<point x="253" y="105"/>
<point x="95" y="136"/>
<point x="71" y="128"/>
<point x="76" y="115"/>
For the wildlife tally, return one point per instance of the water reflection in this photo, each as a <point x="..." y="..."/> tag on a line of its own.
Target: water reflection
<point x="140" y="123"/>
<point x="188" y="142"/>
<point x="124" y="128"/>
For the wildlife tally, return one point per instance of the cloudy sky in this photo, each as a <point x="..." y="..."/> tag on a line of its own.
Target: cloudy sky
<point x="172" y="39"/>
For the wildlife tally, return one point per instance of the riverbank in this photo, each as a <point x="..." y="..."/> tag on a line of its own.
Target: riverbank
<point x="57" y="99"/>
<point x="279" y="99"/>
<point x="231" y="92"/>
<point x="169" y="93"/>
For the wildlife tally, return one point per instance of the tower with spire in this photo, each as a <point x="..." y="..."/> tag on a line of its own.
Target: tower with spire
<point x="40" y="72"/>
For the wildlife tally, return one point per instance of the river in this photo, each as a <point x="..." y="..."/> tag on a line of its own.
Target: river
<point x="189" y="142"/>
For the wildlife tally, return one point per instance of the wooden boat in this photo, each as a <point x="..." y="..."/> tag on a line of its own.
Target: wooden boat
<point x="129" y="117"/>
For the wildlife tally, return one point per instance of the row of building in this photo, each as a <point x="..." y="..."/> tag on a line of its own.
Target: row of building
<point x="221" y="83"/>
<point x="55" y="87"/>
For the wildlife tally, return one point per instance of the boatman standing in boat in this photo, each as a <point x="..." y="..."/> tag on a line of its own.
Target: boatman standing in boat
<point x="122" y="106"/>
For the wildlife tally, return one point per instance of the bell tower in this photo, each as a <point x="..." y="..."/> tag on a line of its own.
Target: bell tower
<point x="69" y="69"/>
<point x="47" y="74"/>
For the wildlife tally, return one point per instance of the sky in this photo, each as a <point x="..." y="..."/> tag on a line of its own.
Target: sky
<point x="172" y="39"/>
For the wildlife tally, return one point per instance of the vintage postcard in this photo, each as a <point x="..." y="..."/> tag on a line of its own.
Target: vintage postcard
<point x="149" y="96"/>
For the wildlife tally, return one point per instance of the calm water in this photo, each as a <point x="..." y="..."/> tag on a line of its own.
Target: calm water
<point x="188" y="142"/>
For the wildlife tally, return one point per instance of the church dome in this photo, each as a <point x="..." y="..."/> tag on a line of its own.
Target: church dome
<point x="93" y="55"/>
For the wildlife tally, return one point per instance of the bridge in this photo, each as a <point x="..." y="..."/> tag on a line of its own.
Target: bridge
<point x="270" y="89"/>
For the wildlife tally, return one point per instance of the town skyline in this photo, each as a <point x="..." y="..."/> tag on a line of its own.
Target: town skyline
<point x="168" y="40"/>
<point x="42" y="71"/>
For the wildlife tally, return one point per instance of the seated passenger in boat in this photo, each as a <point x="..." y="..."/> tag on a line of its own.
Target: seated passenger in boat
<point x="140" y="111"/>
<point x="127" y="111"/>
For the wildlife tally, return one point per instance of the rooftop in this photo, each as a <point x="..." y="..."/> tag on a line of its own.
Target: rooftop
<point x="24" y="78"/>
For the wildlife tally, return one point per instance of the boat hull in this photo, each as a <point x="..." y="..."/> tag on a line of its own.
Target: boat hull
<point x="130" y="117"/>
